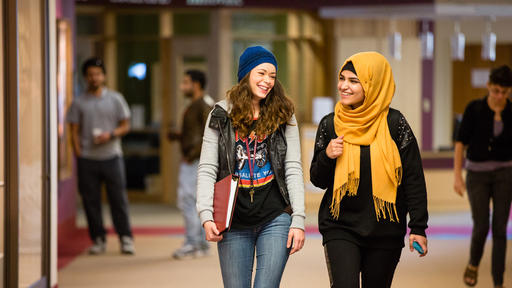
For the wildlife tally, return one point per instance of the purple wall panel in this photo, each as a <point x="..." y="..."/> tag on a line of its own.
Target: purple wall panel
<point x="427" y="95"/>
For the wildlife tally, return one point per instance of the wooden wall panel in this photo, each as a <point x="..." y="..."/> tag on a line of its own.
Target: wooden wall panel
<point x="2" y="159"/>
<point x="462" y="90"/>
<point x="31" y="93"/>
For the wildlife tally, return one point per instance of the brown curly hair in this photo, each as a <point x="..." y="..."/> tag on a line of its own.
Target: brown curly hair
<point x="275" y="109"/>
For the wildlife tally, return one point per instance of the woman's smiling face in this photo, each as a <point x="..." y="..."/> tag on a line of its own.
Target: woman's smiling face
<point x="350" y="89"/>
<point x="261" y="80"/>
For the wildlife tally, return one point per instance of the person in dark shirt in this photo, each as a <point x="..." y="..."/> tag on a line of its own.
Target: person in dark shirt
<point x="485" y="134"/>
<point x="368" y="160"/>
<point x="254" y="134"/>
<point x="190" y="139"/>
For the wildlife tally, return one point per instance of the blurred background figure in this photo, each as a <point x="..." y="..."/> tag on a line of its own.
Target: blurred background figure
<point x="191" y="138"/>
<point x="485" y="134"/>
<point x="98" y="118"/>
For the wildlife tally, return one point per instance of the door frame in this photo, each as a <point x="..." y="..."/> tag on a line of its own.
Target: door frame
<point x="172" y="104"/>
<point x="11" y="155"/>
<point x="11" y="140"/>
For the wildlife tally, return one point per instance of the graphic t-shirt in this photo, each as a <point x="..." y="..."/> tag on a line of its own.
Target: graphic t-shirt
<point x="253" y="159"/>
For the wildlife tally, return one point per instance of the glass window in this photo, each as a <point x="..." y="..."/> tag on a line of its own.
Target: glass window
<point x="135" y="73"/>
<point x="197" y="23"/>
<point x="85" y="49"/>
<point x="89" y="24"/>
<point x="258" y="24"/>
<point x="137" y="24"/>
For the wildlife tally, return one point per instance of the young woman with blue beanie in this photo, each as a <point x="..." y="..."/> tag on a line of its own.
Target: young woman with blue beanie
<point x="254" y="133"/>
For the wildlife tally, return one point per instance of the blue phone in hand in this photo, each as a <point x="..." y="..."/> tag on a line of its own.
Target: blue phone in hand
<point x="417" y="246"/>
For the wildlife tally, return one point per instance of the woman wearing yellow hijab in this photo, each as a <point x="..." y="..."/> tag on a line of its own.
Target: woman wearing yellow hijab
<point x="368" y="160"/>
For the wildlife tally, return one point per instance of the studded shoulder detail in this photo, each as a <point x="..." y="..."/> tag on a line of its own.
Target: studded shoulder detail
<point x="405" y="135"/>
<point x="323" y="135"/>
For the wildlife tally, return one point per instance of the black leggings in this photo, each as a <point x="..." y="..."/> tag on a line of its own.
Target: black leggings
<point x="482" y="187"/>
<point x="346" y="261"/>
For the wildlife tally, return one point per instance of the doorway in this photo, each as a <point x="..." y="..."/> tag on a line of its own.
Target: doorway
<point x="186" y="53"/>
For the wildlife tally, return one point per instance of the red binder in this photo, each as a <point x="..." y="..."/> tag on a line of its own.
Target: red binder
<point x="224" y="200"/>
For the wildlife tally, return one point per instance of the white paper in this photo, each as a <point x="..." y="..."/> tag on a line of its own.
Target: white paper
<point x="232" y="193"/>
<point x="479" y="77"/>
<point x="137" y="119"/>
<point x="321" y="107"/>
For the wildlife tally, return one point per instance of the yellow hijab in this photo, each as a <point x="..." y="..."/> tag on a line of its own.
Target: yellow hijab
<point x="368" y="125"/>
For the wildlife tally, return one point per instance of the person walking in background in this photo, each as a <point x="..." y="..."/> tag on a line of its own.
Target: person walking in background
<point x="485" y="134"/>
<point x="367" y="158"/>
<point x="190" y="138"/>
<point x="99" y="118"/>
<point x="255" y="129"/>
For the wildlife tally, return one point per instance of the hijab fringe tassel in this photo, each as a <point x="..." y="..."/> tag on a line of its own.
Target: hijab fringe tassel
<point x="381" y="207"/>
<point x="349" y="188"/>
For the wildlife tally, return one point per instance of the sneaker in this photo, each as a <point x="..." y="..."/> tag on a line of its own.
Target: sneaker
<point x="186" y="251"/>
<point x="204" y="248"/>
<point x="127" y="246"/>
<point x="99" y="246"/>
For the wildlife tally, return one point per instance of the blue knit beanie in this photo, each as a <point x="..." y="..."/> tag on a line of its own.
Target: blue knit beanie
<point x="252" y="57"/>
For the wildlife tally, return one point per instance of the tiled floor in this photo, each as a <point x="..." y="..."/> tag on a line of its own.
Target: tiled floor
<point x="154" y="267"/>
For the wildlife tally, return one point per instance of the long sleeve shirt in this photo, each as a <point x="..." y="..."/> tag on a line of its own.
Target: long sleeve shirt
<point x="357" y="221"/>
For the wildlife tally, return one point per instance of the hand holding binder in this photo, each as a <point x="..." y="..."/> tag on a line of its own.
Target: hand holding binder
<point x="224" y="199"/>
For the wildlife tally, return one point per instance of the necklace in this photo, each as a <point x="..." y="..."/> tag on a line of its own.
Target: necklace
<point x="251" y="163"/>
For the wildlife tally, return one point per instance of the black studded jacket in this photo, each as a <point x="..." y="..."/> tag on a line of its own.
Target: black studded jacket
<point x="357" y="221"/>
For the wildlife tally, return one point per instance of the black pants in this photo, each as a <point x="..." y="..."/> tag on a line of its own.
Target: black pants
<point x="482" y="187"/>
<point x="346" y="262"/>
<point x="91" y="175"/>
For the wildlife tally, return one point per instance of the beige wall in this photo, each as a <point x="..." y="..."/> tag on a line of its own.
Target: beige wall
<point x="356" y="35"/>
<point x="372" y="35"/>
<point x="31" y="90"/>
<point x="440" y="194"/>
<point x="473" y="30"/>
<point x="475" y="27"/>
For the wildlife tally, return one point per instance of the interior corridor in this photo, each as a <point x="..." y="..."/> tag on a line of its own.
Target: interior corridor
<point x="158" y="231"/>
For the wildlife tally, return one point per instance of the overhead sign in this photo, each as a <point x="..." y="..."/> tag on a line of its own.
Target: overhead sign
<point x="290" y="4"/>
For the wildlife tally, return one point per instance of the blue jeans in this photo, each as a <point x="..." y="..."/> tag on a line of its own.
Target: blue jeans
<point x="236" y="254"/>
<point x="194" y="232"/>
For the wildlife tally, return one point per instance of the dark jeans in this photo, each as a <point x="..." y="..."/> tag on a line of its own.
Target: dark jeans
<point x="91" y="175"/>
<point x="346" y="261"/>
<point x="482" y="187"/>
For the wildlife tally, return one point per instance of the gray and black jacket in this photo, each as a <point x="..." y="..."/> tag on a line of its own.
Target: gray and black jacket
<point x="218" y="160"/>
